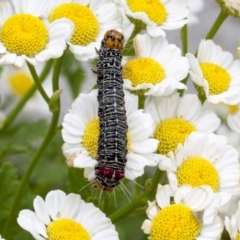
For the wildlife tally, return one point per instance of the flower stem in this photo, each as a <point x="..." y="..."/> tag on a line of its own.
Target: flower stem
<point x="141" y="99"/>
<point x="13" y="114"/>
<point x="38" y="82"/>
<point x="184" y="38"/>
<point x="220" y="19"/>
<point x="56" y="74"/>
<point x="50" y="134"/>
<point x="26" y="176"/>
<point x="138" y="200"/>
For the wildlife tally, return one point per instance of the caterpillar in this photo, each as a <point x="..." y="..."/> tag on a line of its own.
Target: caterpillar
<point x="112" y="143"/>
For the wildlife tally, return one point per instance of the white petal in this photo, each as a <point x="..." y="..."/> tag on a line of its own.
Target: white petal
<point x="146" y="226"/>
<point x="163" y="195"/>
<point x="155" y="31"/>
<point x="54" y="202"/>
<point x="36" y="8"/>
<point x="5" y="12"/>
<point x="233" y="121"/>
<point x="152" y="210"/>
<point x="211" y="231"/>
<point x="29" y="221"/>
<point x="41" y="210"/>
<point x="61" y="29"/>
<point x="8" y="58"/>
<point x="71" y="206"/>
<point x="146" y="146"/>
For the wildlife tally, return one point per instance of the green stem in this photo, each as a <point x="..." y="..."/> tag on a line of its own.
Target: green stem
<point x="50" y="134"/>
<point x="184" y="39"/>
<point x="138" y="200"/>
<point x="56" y="73"/>
<point x="141" y="99"/>
<point x="13" y="114"/>
<point x="38" y="82"/>
<point x="220" y="19"/>
<point x="26" y="176"/>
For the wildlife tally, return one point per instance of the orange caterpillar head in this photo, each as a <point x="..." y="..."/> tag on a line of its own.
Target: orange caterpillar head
<point x="113" y="40"/>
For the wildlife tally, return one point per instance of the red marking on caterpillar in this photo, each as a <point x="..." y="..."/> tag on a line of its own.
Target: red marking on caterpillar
<point x="110" y="172"/>
<point x="112" y="144"/>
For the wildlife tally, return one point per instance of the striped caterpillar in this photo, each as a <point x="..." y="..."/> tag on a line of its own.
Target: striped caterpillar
<point x="112" y="143"/>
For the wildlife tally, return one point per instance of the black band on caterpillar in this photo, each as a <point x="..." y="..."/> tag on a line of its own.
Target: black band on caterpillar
<point x="112" y="144"/>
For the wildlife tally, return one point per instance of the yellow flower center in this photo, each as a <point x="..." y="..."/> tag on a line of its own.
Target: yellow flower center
<point x="170" y="132"/>
<point x="86" y="24"/>
<point x="237" y="237"/>
<point x="20" y="83"/>
<point x="143" y="70"/>
<point x="233" y="108"/>
<point x="197" y="171"/>
<point x="175" y="222"/>
<point x="91" y="136"/>
<point x="66" y="229"/>
<point x="155" y="10"/>
<point x="218" y="78"/>
<point x="24" y="34"/>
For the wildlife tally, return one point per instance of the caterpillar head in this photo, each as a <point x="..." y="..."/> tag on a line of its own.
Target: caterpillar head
<point x="113" y="40"/>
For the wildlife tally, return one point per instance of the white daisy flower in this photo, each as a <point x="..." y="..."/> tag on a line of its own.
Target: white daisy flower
<point x="158" y="68"/>
<point x="91" y="18"/>
<point x="66" y="217"/>
<point x="25" y="37"/>
<point x="183" y="219"/>
<point x="81" y="132"/>
<point x="231" y="6"/>
<point x="216" y="73"/>
<point x="205" y="159"/>
<point x="158" y="15"/>
<point x="175" y="118"/>
<point x="1" y="238"/>
<point x="232" y="224"/>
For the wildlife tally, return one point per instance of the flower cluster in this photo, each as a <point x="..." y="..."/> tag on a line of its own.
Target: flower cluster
<point x="36" y="32"/>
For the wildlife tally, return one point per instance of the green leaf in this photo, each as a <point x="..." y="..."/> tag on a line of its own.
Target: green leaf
<point x="22" y="138"/>
<point x="77" y="181"/>
<point x="9" y="184"/>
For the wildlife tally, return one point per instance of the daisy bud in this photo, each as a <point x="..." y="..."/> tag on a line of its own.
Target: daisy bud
<point x="231" y="7"/>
